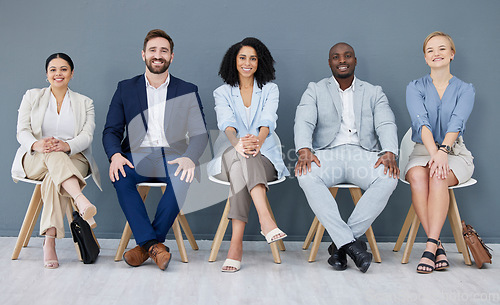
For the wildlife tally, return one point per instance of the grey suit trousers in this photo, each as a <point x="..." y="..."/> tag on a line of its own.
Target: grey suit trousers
<point x="347" y="164"/>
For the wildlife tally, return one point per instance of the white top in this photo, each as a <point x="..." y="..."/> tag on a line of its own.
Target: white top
<point x="60" y="126"/>
<point x="248" y="112"/>
<point x="157" y="99"/>
<point x="348" y="134"/>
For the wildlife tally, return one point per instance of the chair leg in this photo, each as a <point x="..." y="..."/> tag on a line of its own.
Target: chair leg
<point x="219" y="235"/>
<point x="187" y="230"/>
<point x="310" y="234"/>
<point x="127" y="233"/>
<point x="456" y="222"/>
<point x="356" y="195"/>
<point x="404" y="229"/>
<point x="34" y="219"/>
<point x="180" y="241"/>
<point x="281" y="245"/>
<point x="28" y="220"/>
<point x="411" y="239"/>
<point x="317" y="241"/>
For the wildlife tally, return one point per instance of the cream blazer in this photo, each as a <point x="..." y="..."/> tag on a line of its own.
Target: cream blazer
<point x="29" y="128"/>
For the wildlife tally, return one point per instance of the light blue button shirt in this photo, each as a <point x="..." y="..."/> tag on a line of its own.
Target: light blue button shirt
<point x="448" y="114"/>
<point x="230" y="112"/>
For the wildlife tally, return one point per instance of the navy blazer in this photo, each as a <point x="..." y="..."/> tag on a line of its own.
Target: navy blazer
<point x="185" y="127"/>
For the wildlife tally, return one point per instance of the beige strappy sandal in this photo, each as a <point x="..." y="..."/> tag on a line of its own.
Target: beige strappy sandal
<point x="49" y="264"/>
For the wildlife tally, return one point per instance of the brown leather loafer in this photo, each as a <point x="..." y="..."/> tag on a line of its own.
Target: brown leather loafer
<point x="135" y="257"/>
<point x="160" y="255"/>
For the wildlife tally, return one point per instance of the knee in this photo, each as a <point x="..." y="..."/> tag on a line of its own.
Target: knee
<point x="436" y="183"/>
<point x="308" y="179"/>
<point x="126" y="181"/>
<point x="418" y="179"/>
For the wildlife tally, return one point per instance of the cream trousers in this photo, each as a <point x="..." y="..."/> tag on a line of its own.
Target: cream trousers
<point x="53" y="169"/>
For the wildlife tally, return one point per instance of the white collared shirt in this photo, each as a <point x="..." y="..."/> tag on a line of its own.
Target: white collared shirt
<point x="157" y="99"/>
<point x="59" y="125"/>
<point x="348" y="134"/>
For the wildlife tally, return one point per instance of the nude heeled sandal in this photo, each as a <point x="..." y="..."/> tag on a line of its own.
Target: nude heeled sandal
<point x="50" y="264"/>
<point x="88" y="213"/>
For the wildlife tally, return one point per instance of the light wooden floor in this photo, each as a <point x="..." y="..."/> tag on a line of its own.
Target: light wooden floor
<point x="260" y="281"/>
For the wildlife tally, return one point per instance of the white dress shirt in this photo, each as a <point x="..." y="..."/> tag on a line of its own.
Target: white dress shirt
<point x="348" y="134"/>
<point x="157" y="99"/>
<point x="59" y="125"/>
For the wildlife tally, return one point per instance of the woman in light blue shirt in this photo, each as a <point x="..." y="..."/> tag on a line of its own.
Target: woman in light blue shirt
<point x="248" y="154"/>
<point x="439" y="105"/>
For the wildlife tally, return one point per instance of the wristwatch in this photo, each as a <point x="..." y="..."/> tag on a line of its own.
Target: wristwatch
<point x="446" y="147"/>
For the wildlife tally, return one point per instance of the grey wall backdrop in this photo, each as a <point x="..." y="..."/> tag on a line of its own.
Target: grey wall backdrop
<point x="104" y="39"/>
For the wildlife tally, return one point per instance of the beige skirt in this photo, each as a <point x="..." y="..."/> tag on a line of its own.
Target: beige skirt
<point x="460" y="160"/>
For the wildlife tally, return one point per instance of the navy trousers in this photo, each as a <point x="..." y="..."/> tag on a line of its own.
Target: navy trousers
<point x="150" y="167"/>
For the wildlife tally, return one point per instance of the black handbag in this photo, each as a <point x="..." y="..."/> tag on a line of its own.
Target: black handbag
<point x="84" y="237"/>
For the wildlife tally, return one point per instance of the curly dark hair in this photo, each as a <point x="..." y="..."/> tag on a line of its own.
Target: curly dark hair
<point x="265" y="69"/>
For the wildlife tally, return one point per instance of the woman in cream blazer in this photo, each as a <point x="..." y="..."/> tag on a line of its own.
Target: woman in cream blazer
<point x="55" y="128"/>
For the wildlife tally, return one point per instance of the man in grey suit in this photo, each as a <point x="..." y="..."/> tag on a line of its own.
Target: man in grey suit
<point x="344" y="130"/>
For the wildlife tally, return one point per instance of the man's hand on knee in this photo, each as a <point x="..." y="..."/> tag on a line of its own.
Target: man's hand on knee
<point x="117" y="163"/>
<point x="390" y="165"/>
<point x="304" y="165"/>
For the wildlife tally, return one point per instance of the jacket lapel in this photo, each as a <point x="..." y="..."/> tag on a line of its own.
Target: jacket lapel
<point x="39" y="113"/>
<point x="76" y="106"/>
<point x="358" y="102"/>
<point x="171" y="93"/>
<point x="143" y="99"/>
<point x="238" y="105"/>
<point x="333" y="91"/>
<point x="256" y="100"/>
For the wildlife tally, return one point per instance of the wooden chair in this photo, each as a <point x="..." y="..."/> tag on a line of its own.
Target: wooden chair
<point x="31" y="216"/>
<point x="317" y="230"/>
<point x="143" y="189"/>
<point x="412" y="222"/>
<point x="224" y="221"/>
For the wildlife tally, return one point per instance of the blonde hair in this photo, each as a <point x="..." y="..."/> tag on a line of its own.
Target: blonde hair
<point x="438" y="33"/>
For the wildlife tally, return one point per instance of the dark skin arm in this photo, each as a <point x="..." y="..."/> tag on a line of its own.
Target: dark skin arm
<point x="306" y="157"/>
<point x="389" y="161"/>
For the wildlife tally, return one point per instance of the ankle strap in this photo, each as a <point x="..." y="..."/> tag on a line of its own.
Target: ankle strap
<point x="76" y="197"/>
<point x="49" y="236"/>
<point x="432" y="240"/>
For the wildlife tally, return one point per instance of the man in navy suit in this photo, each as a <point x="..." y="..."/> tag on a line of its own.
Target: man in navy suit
<point x="163" y="120"/>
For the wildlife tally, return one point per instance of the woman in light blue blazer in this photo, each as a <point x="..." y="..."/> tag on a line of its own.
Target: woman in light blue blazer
<point x="439" y="105"/>
<point x="248" y="154"/>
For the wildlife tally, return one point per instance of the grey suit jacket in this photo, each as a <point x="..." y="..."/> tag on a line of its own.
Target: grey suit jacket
<point x="318" y="117"/>
<point x="29" y="128"/>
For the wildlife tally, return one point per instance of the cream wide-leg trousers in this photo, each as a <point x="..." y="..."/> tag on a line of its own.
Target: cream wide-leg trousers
<point x="53" y="169"/>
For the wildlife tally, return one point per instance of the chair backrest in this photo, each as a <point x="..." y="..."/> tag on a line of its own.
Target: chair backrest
<point x="405" y="150"/>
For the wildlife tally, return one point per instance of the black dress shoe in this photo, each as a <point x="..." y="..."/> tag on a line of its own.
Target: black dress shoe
<point x="338" y="258"/>
<point x="358" y="254"/>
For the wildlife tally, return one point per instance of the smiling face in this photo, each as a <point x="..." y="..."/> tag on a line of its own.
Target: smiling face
<point x="342" y="61"/>
<point x="438" y="52"/>
<point x="247" y="62"/>
<point x="157" y="55"/>
<point x="59" y="73"/>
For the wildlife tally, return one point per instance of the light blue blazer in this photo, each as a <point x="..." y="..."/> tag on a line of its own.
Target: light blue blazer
<point x="319" y="114"/>
<point x="230" y="112"/>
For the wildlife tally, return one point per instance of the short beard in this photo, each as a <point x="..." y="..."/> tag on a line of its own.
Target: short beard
<point x="159" y="70"/>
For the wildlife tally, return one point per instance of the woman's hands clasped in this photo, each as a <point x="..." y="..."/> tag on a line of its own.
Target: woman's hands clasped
<point x="48" y="145"/>
<point x="248" y="145"/>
